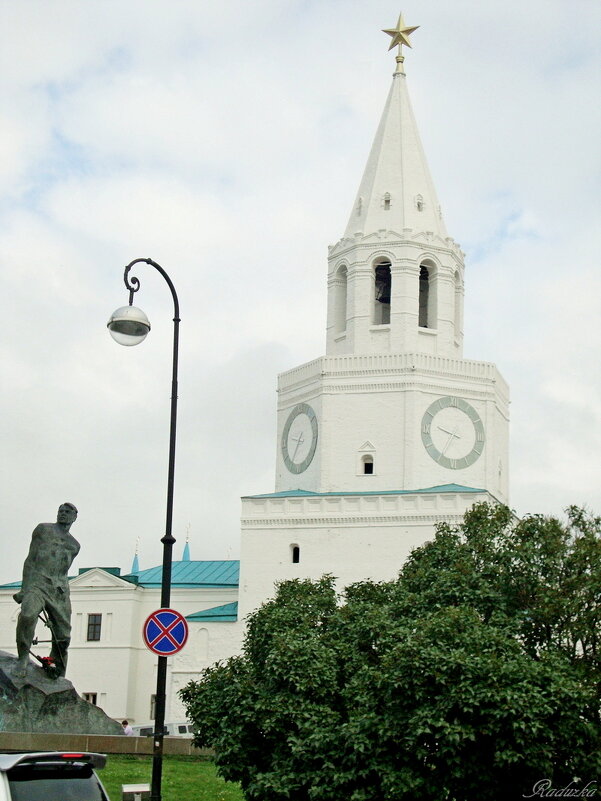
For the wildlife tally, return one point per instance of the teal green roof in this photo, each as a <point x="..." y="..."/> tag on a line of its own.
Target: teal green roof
<point x="226" y="613"/>
<point x="183" y="574"/>
<point x="114" y="571"/>
<point x="191" y="574"/>
<point x="306" y="494"/>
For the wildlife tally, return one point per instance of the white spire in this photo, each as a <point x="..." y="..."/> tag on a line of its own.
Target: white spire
<point x="396" y="190"/>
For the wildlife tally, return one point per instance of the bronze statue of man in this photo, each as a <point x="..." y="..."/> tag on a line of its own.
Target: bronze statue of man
<point x="45" y="587"/>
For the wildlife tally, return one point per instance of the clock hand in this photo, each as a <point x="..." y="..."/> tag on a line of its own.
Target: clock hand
<point x="452" y="433"/>
<point x="299" y="440"/>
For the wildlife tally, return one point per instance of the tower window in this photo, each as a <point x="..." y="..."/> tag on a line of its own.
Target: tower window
<point x="340" y="300"/>
<point x="457" y="316"/>
<point x="419" y="203"/>
<point x="387" y="201"/>
<point x="91" y="698"/>
<point x="368" y="465"/>
<point x="424" y="292"/>
<point x="382" y="289"/>
<point x="94" y="627"/>
<point x="295" y="551"/>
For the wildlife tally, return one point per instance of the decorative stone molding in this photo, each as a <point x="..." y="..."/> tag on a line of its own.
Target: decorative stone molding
<point x="350" y="521"/>
<point x="396" y="240"/>
<point x="355" y="510"/>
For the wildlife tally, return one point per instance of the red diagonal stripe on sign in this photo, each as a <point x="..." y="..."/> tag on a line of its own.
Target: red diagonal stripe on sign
<point x="165" y="632"/>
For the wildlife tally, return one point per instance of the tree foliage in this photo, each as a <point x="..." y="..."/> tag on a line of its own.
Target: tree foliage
<point x="472" y="676"/>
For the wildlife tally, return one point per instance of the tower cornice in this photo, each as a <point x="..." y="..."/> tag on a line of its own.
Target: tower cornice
<point x="387" y="366"/>
<point x="391" y="239"/>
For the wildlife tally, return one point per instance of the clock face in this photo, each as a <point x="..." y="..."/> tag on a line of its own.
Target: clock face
<point x="299" y="438"/>
<point x="452" y="432"/>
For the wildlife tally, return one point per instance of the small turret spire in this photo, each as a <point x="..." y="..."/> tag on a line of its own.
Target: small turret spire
<point x="400" y="36"/>
<point x="135" y="565"/>
<point x="186" y="553"/>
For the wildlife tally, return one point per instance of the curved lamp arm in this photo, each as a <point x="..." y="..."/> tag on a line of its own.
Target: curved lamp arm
<point x="133" y="283"/>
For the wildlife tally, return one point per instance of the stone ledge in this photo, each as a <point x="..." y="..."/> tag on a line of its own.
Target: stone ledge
<point x="348" y="510"/>
<point x="103" y="744"/>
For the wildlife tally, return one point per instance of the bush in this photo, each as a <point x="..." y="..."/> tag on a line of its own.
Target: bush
<point x="472" y="676"/>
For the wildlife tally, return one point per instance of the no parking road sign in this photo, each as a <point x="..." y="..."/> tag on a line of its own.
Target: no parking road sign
<point x="165" y="632"/>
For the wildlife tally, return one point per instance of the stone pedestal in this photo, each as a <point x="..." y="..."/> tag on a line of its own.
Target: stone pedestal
<point x="37" y="703"/>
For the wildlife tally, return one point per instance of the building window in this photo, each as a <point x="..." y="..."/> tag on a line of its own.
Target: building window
<point x="295" y="551"/>
<point x="457" y="305"/>
<point x="424" y="293"/>
<point x="340" y="300"/>
<point x="91" y="698"/>
<point x="419" y="203"/>
<point x="153" y="706"/>
<point x="94" y="626"/>
<point x="382" y="288"/>
<point x="428" y="295"/>
<point x="387" y="201"/>
<point x="368" y="465"/>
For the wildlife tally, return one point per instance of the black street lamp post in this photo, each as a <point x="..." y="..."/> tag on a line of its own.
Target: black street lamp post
<point x="129" y="326"/>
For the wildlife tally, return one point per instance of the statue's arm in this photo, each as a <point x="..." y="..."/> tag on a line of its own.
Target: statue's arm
<point x="29" y="566"/>
<point x="75" y="548"/>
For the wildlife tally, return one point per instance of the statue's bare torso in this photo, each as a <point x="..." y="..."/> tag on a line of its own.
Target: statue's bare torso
<point x="45" y="588"/>
<point x="51" y="554"/>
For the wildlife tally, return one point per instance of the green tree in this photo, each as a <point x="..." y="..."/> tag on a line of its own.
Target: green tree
<point x="472" y="676"/>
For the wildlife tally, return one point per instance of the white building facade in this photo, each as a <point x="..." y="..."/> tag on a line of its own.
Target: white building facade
<point x="109" y="664"/>
<point x="389" y="433"/>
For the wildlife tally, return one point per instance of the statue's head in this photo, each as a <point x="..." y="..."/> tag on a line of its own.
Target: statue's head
<point x="67" y="513"/>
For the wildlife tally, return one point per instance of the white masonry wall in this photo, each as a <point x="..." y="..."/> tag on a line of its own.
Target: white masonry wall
<point x="378" y="401"/>
<point x="353" y="537"/>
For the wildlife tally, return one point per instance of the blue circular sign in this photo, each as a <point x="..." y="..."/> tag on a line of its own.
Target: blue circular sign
<point x="165" y="632"/>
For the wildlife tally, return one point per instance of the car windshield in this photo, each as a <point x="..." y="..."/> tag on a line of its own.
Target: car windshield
<point x="56" y="783"/>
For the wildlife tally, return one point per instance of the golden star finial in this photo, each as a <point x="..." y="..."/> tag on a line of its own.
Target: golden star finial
<point x="400" y="34"/>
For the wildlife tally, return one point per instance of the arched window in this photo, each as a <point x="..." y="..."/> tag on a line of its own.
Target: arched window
<point x="428" y="295"/>
<point x="457" y="318"/>
<point x="295" y="554"/>
<point x="424" y="296"/>
<point x="368" y="465"/>
<point x="386" y="201"/>
<point x="340" y="300"/>
<point x="382" y="289"/>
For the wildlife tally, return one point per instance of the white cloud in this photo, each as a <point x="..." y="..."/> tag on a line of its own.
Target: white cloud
<point x="226" y="141"/>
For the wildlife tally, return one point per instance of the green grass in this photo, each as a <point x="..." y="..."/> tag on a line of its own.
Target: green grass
<point x="184" y="778"/>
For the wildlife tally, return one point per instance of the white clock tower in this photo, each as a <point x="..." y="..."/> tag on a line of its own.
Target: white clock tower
<point x="392" y="430"/>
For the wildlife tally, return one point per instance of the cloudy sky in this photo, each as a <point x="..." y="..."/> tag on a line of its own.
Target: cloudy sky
<point x="226" y="140"/>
